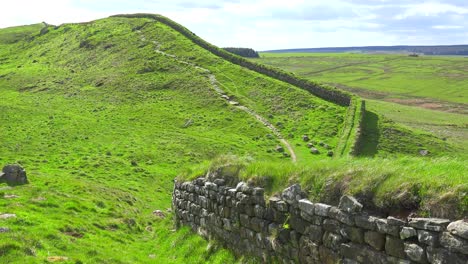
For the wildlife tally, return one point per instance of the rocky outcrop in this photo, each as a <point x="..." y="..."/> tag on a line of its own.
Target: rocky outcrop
<point x="291" y="229"/>
<point x="13" y="175"/>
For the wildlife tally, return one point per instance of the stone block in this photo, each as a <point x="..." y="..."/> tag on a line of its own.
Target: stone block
<point x="292" y="194"/>
<point x="428" y="238"/>
<point x="384" y="228"/>
<point x="375" y="239"/>
<point x="298" y="224"/>
<point x="431" y="224"/>
<point x="315" y="233"/>
<point x="394" y="247"/>
<point x="365" y="221"/>
<point x="454" y="243"/>
<point x="321" y="209"/>
<point x="306" y="206"/>
<point x="331" y="225"/>
<point x="244" y="220"/>
<point x="443" y="256"/>
<point x="354" y="234"/>
<point x="328" y="256"/>
<point x="349" y="204"/>
<point x="341" y="216"/>
<point x="407" y="232"/>
<point x="415" y="253"/>
<point x="459" y="228"/>
<point x="332" y="240"/>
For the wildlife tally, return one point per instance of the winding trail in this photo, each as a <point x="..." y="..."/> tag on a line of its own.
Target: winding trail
<point x="222" y="94"/>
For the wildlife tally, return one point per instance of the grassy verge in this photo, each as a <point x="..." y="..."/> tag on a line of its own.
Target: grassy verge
<point x="426" y="186"/>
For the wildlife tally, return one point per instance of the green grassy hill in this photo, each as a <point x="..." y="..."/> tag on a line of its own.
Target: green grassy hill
<point x="104" y="115"/>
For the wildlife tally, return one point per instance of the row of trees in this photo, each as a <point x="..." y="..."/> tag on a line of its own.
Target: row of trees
<point x="243" y="52"/>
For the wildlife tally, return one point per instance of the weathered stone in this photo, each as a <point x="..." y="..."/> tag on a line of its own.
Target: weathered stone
<point x="407" y="232"/>
<point x="313" y="219"/>
<point x="4" y="229"/>
<point x="257" y="224"/>
<point x="321" y="209"/>
<point x="328" y="256"/>
<point x="282" y="206"/>
<point x="305" y="138"/>
<point x="7" y="216"/>
<point x="292" y="194"/>
<point x="375" y="239"/>
<point x="352" y="233"/>
<point x="332" y="240"/>
<point x="431" y="224"/>
<point x="395" y="221"/>
<point x="394" y="247"/>
<point x="331" y="225"/>
<point x="314" y="232"/>
<point x="352" y="251"/>
<point x="13" y="174"/>
<point x="219" y="182"/>
<point x="393" y="260"/>
<point x="349" y="204"/>
<point x="298" y="224"/>
<point x="258" y="191"/>
<point x="341" y="216"/>
<point x="244" y="220"/>
<point x="365" y="221"/>
<point x="459" y="228"/>
<point x="443" y="256"/>
<point x="428" y="237"/>
<point x="454" y="243"/>
<point x="415" y="253"/>
<point x="259" y="211"/>
<point x="385" y="228"/>
<point x="314" y="150"/>
<point x="284" y="235"/>
<point x="306" y="206"/>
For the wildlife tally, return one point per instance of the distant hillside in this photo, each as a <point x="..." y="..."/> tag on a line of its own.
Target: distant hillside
<point x="244" y="52"/>
<point x="427" y="50"/>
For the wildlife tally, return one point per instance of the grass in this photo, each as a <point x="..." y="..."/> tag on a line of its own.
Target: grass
<point x="427" y="93"/>
<point x="103" y="123"/>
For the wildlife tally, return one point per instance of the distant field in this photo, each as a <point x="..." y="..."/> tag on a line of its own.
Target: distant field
<point x="429" y="93"/>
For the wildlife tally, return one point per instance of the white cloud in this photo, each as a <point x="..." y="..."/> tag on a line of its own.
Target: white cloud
<point x="447" y="27"/>
<point x="431" y="9"/>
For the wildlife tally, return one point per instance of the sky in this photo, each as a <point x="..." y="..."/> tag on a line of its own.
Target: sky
<point x="273" y="24"/>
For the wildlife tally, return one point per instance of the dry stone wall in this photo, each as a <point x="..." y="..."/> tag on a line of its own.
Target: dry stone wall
<point x="291" y="229"/>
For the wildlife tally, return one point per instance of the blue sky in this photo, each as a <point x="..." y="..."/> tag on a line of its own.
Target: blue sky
<point x="274" y="24"/>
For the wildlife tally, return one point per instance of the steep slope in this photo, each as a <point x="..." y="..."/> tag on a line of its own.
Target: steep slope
<point x="104" y="114"/>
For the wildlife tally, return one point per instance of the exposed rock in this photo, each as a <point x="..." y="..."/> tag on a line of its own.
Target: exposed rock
<point x="350" y="204"/>
<point x="454" y="243"/>
<point x="7" y="216"/>
<point x="159" y="214"/>
<point x="279" y="148"/>
<point x="415" y="253"/>
<point x="459" y="228"/>
<point x="314" y="150"/>
<point x="431" y="224"/>
<point x="13" y="174"/>
<point x="375" y="240"/>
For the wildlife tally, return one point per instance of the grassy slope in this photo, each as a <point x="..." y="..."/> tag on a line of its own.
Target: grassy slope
<point x="103" y="123"/>
<point x="436" y="83"/>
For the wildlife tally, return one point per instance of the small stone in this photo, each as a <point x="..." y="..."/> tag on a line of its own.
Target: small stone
<point x="407" y="232"/>
<point x="459" y="228"/>
<point x="279" y="148"/>
<point x="159" y="214"/>
<point x="13" y="174"/>
<point x="330" y="153"/>
<point x="4" y="229"/>
<point x="305" y="138"/>
<point x="349" y="204"/>
<point x="431" y="224"/>
<point x="314" y="150"/>
<point x="428" y="237"/>
<point x="309" y="145"/>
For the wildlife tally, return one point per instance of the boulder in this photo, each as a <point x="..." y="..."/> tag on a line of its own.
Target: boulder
<point x="314" y="150"/>
<point x="454" y="243"/>
<point x="349" y="204"/>
<point x="459" y="228"/>
<point x="13" y="174"/>
<point x="279" y="148"/>
<point x="305" y="138"/>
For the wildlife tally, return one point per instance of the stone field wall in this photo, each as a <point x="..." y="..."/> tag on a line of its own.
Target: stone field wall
<point x="290" y="229"/>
